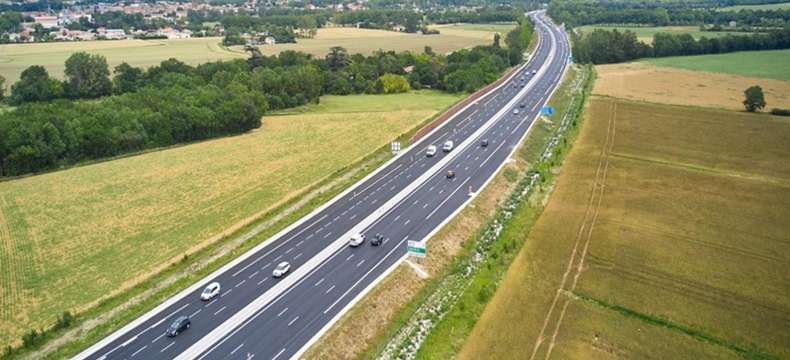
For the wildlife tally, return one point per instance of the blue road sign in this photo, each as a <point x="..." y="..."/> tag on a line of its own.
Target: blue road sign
<point x="547" y="110"/>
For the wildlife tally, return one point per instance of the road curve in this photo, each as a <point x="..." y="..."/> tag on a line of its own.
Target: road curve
<point x="408" y="198"/>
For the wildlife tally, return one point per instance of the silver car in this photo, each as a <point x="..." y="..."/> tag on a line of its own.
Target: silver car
<point x="281" y="269"/>
<point x="211" y="291"/>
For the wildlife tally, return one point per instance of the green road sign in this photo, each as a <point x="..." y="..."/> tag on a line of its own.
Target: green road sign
<point x="416" y="248"/>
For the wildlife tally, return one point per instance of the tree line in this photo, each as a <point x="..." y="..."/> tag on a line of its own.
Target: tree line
<point x="486" y="15"/>
<point x="612" y="46"/>
<point x="91" y="115"/>
<point x="576" y="13"/>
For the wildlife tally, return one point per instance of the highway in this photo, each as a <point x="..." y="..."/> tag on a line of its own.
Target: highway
<point x="408" y="198"/>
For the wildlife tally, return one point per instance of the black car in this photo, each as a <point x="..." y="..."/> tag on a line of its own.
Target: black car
<point x="377" y="240"/>
<point x="523" y="105"/>
<point x="178" y="326"/>
<point x="484" y="143"/>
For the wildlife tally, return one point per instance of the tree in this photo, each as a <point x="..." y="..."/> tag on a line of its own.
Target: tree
<point x="88" y="76"/>
<point x="127" y="78"/>
<point x="35" y="85"/>
<point x="755" y="100"/>
<point x="497" y="37"/>
<point x="233" y="39"/>
<point x="392" y="84"/>
<point x="337" y="58"/>
<point x="2" y="88"/>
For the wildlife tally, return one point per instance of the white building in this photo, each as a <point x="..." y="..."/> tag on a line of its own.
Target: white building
<point x="47" y="22"/>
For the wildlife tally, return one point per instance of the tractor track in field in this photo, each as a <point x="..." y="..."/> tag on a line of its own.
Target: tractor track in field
<point x="584" y="234"/>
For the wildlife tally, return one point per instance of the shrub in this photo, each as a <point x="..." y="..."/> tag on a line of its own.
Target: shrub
<point x="780" y="112"/>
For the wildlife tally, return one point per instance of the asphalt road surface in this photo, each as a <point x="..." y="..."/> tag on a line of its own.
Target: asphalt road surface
<point x="262" y="317"/>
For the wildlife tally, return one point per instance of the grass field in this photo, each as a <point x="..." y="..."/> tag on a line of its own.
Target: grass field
<point x="770" y="64"/>
<point x="777" y="6"/>
<point x="645" y="82"/>
<point x="645" y="33"/>
<point x="667" y="236"/>
<point x="501" y="28"/>
<point x="74" y="236"/>
<point x="14" y="58"/>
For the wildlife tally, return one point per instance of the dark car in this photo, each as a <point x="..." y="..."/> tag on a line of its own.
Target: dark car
<point x="450" y="174"/>
<point x="178" y="326"/>
<point x="484" y="143"/>
<point x="377" y="240"/>
<point x="523" y="105"/>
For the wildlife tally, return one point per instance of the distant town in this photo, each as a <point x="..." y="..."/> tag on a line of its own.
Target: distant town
<point x="162" y="19"/>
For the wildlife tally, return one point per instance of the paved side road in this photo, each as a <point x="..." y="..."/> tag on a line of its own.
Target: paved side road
<point x="408" y="198"/>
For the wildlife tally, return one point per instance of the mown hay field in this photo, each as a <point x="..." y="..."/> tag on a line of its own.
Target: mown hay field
<point x="14" y="58"/>
<point x="72" y="237"/>
<point x="645" y="82"/>
<point x="482" y="29"/>
<point x="667" y="237"/>
<point x="366" y="41"/>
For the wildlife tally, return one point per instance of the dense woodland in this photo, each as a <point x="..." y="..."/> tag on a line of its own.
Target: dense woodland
<point x="603" y="46"/>
<point x="92" y="115"/>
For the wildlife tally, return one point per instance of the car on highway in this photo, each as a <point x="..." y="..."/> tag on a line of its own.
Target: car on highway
<point x="377" y="240"/>
<point x="450" y="174"/>
<point x="211" y="291"/>
<point x="431" y="151"/>
<point x="534" y="72"/>
<point x="356" y="240"/>
<point x="515" y="111"/>
<point x="523" y="105"/>
<point x="448" y="145"/>
<point x="484" y="143"/>
<point x="178" y="326"/>
<point x="281" y="269"/>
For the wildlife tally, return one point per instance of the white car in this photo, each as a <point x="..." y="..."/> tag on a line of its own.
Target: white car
<point x="356" y="240"/>
<point x="211" y="291"/>
<point x="534" y="72"/>
<point x="431" y="151"/>
<point x="281" y="269"/>
<point x="515" y="111"/>
<point x="448" y="145"/>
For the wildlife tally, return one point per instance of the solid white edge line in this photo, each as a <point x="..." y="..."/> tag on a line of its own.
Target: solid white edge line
<point x="381" y="277"/>
<point x="249" y="253"/>
<point x="198" y="284"/>
<point x="200" y="347"/>
<point x="219" y="332"/>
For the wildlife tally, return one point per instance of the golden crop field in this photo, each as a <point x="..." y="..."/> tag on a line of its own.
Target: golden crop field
<point x="14" y="58"/>
<point x="645" y="82"/>
<point x="68" y="238"/>
<point x="667" y="236"/>
<point x="366" y="41"/>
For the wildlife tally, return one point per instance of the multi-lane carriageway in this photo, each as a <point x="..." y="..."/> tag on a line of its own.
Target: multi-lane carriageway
<point x="409" y="198"/>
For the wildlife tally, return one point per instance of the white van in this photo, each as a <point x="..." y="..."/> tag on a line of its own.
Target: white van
<point x="448" y="145"/>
